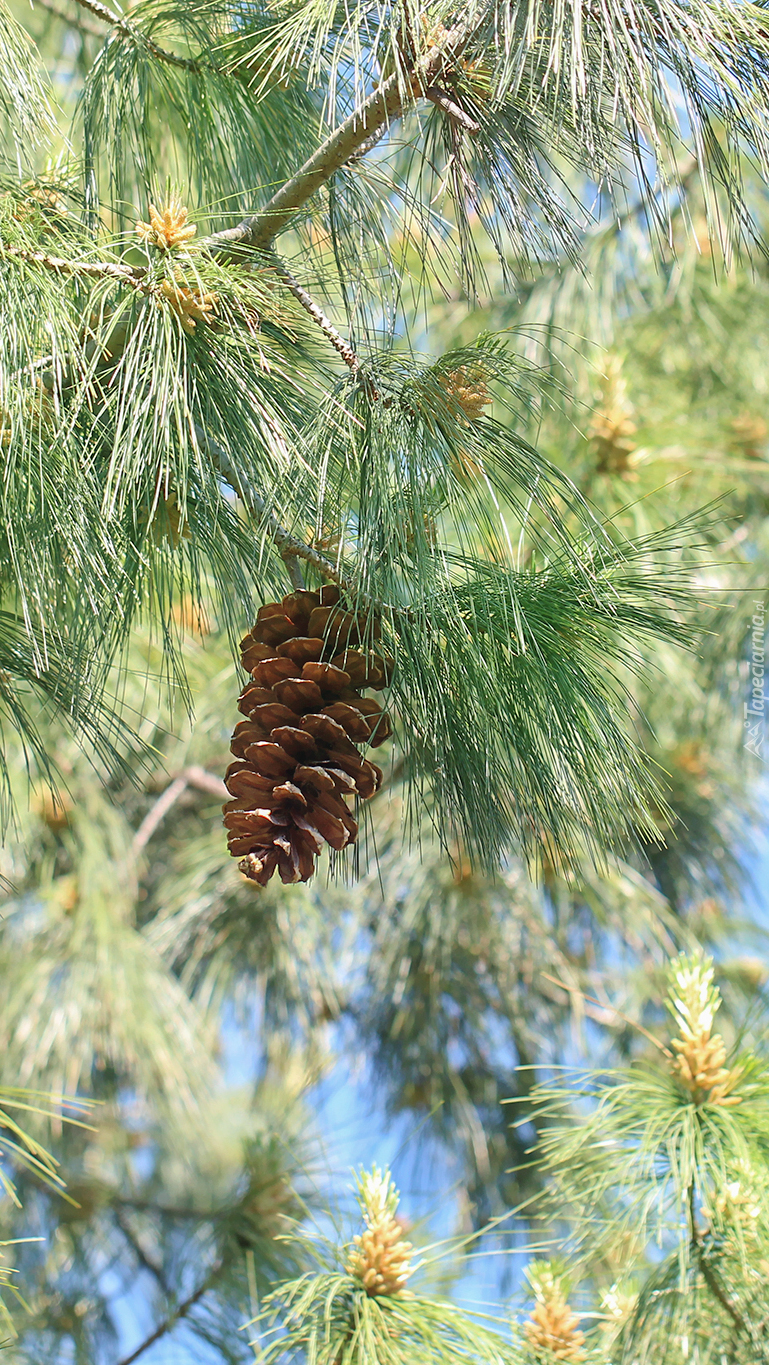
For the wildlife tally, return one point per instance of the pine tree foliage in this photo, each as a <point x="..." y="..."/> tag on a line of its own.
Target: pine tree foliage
<point x="184" y="427"/>
<point x="190" y="410"/>
<point x="367" y="1312"/>
<point x="661" y="1169"/>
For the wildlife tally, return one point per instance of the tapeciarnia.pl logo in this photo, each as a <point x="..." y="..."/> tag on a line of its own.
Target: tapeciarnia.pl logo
<point x="755" y="708"/>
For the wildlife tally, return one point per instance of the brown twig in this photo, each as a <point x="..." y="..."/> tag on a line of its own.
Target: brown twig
<point x="439" y="97"/>
<point x="310" y="307"/>
<point x="61" y="266"/>
<point x="130" y="30"/>
<point x="141" y="1255"/>
<point x="73" y="20"/>
<point x="180" y="1312"/>
<point x="191" y="777"/>
<point x="157" y="813"/>
<point x="289" y="547"/>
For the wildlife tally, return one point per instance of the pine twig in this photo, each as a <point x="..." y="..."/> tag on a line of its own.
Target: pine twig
<point x="191" y="777"/>
<point x="130" y="30"/>
<point x="711" y="1280"/>
<point x="289" y="547"/>
<point x="718" y="1291"/>
<point x="439" y="97"/>
<point x="205" y="781"/>
<point x="138" y="1250"/>
<point x="61" y="266"/>
<point x="157" y="813"/>
<point x="180" y="1312"/>
<point x="74" y="21"/>
<point x="309" y="305"/>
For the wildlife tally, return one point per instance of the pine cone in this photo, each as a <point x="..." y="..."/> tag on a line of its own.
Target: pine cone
<point x="296" y="760"/>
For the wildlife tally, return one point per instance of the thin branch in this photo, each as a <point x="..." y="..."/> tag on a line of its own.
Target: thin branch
<point x="288" y="546"/>
<point x="130" y="30"/>
<point x="73" y="20"/>
<point x="157" y="813"/>
<point x="437" y="96"/>
<point x="206" y="782"/>
<point x="180" y="1312"/>
<point x="710" y="1278"/>
<point x="191" y="777"/>
<point x="376" y="113"/>
<point x="294" y="570"/>
<point x="367" y="146"/>
<point x="309" y="305"/>
<point x="718" y="1291"/>
<point x="138" y="1250"/>
<point x="59" y="264"/>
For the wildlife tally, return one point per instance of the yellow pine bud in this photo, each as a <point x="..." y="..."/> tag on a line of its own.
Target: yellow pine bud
<point x="612" y="427"/>
<point x="552" y="1330"/>
<point x="168" y="227"/>
<point x="466" y="389"/>
<point x="381" y="1257"/>
<point x="190" y="305"/>
<point x="700" y="1053"/>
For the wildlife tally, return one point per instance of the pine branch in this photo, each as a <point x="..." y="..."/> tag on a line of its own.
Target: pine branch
<point x="191" y="777"/>
<point x="117" y="21"/>
<point x="138" y="1250"/>
<point x="289" y="547"/>
<point x="180" y="1312"/>
<point x="345" y="142"/>
<point x="61" y="266"/>
<point x="74" y="21"/>
<point x="157" y="813"/>
<point x="439" y="97"/>
<point x="328" y="329"/>
<point x="718" y="1292"/>
<point x="706" y="1269"/>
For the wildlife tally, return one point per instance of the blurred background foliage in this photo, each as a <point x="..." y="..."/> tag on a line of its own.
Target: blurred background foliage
<point x="210" y="1020"/>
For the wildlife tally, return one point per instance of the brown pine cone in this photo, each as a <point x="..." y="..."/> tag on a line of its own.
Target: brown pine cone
<point x="296" y="760"/>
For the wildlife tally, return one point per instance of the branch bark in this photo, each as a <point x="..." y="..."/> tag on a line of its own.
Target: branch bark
<point x="439" y="97"/>
<point x="61" y="266"/>
<point x="309" y="305"/>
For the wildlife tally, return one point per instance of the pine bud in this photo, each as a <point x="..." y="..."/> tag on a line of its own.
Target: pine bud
<point x="750" y="435"/>
<point x="552" y="1330"/>
<point x="737" y="1205"/>
<point x="612" y="427"/>
<point x="700" y="1053"/>
<point x="466" y="389"/>
<point x="168" y="227"/>
<point x="381" y="1255"/>
<point x="191" y="306"/>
